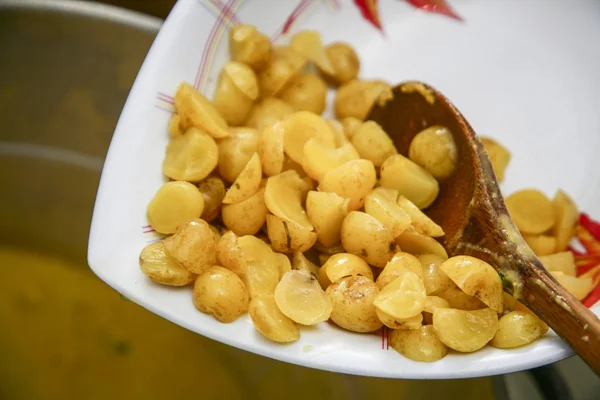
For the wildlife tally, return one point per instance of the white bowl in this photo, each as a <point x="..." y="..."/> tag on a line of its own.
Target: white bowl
<point x="523" y="72"/>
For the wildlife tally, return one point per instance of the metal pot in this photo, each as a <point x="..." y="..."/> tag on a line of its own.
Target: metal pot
<point x="66" y="70"/>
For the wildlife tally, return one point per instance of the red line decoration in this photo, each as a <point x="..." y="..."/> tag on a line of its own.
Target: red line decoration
<point x="207" y="46"/>
<point x="387" y="338"/>
<point x="165" y="96"/>
<point x="162" y="108"/>
<point x="291" y="19"/>
<point x="370" y="11"/>
<point x="219" y="5"/>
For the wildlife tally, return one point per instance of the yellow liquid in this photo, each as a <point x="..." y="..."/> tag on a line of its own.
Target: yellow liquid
<point x="64" y="334"/>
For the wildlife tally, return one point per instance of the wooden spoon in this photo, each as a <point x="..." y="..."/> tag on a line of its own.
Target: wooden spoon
<point x="471" y="210"/>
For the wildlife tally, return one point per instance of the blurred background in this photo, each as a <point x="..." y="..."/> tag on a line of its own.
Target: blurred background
<point x="67" y="67"/>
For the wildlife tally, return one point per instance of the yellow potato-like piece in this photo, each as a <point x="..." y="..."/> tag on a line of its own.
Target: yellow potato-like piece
<point x="195" y="110"/>
<point x="338" y="130"/>
<point x="237" y="88"/>
<point x="356" y="98"/>
<point x="566" y="214"/>
<point x="351" y="180"/>
<point x="193" y="246"/>
<point x="421" y="344"/>
<point x="216" y="232"/>
<point x="520" y="307"/>
<point x="326" y="212"/>
<point x="236" y="150"/>
<point x="318" y="159"/>
<point x="306" y="92"/>
<point x="268" y="112"/>
<point x="338" y="248"/>
<point x="373" y="144"/>
<point x="579" y="287"/>
<point x="402" y="298"/>
<point x="322" y="275"/>
<point x="465" y="331"/>
<point x="460" y="300"/>
<point x="174" y="204"/>
<point x="213" y="191"/>
<point x="283" y="196"/>
<point x="285" y="64"/>
<point x="230" y="253"/>
<point x="271" y="149"/>
<point x="261" y="276"/>
<point x="283" y="264"/>
<point x="509" y="302"/>
<point x="381" y="203"/>
<point x="300" y="297"/>
<point x="435" y="150"/>
<point x="289" y="165"/>
<point x="366" y="237"/>
<point x="351" y="126"/>
<point x="341" y="265"/>
<point x="235" y="253"/>
<point x="243" y="78"/>
<point x="258" y="255"/>
<point x="175" y="128"/>
<point x="401" y="262"/>
<point x="542" y="245"/>
<point x="299" y="128"/>
<point x="159" y="266"/>
<point x="190" y="157"/>
<point x="246" y="184"/>
<point x="433" y="302"/>
<point x="518" y="328"/>
<point x="221" y="293"/>
<point x="288" y="237"/>
<point x="309" y="45"/>
<point x="397" y="323"/>
<point x="421" y="222"/>
<point x="352" y="302"/>
<point x="499" y="156"/>
<point x="301" y="263"/>
<point x="411" y="180"/>
<point x="417" y="244"/>
<point x="345" y="63"/>
<point x="560" y="262"/>
<point x="270" y="321"/>
<point x="249" y="46"/>
<point x="246" y="217"/>
<point x="476" y="278"/>
<point x="323" y="257"/>
<point x="531" y="211"/>
<point x="434" y="279"/>
<point x="306" y="185"/>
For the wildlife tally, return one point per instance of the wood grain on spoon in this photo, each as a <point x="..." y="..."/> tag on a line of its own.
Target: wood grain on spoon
<point x="471" y="210"/>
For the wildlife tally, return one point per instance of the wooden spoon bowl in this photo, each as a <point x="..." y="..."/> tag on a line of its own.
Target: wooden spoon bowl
<point x="471" y="210"/>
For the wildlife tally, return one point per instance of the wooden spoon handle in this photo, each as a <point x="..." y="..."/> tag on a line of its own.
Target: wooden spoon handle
<point x="570" y="319"/>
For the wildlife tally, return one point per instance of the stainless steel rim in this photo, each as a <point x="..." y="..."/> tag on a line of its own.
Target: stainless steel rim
<point x="89" y="9"/>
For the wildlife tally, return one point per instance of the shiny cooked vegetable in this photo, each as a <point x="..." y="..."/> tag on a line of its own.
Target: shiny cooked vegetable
<point x="296" y="219"/>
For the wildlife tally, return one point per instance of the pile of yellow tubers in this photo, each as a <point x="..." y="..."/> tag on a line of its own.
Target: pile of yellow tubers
<point x="273" y="210"/>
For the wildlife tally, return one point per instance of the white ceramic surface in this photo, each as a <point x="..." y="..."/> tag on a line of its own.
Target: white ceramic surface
<point x="525" y="72"/>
